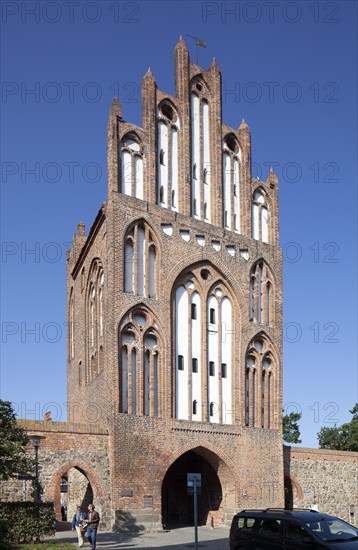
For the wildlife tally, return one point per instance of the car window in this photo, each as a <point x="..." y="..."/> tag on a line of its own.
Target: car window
<point x="295" y="532"/>
<point x="332" y="529"/>
<point x="246" y="524"/>
<point x="270" y="527"/>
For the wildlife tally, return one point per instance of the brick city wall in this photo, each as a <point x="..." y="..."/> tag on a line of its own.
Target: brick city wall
<point x="243" y="459"/>
<point x="65" y="446"/>
<point x="326" y="478"/>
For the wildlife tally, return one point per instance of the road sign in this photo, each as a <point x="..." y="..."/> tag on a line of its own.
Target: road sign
<point x="26" y="478"/>
<point x="190" y="483"/>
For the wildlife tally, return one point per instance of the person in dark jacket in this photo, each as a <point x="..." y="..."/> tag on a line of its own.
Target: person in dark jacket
<point x="92" y="525"/>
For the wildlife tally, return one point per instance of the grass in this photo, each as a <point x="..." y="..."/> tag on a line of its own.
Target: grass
<point x="45" y="546"/>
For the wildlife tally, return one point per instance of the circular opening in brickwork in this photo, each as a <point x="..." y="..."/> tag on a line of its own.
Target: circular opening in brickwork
<point x="205" y="274"/>
<point x="250" y="361"/>
<point x="128" y="337"/>
<point x="266" y="363"/>
<point x="259" y="345"/>
<point x="168" y="112"/>
<point x="231" y="144"/>
<point x="140" y="319"/>
<point x="150" y="342"/>
<point x="199" y="86"/>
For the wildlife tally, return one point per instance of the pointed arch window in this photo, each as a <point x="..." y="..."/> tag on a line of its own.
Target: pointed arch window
<point x="71" y="331"/>
<point x="200" y="148"/>
<point x="260" y="216"/>
<point x="168" y="126"/>
<point x="261" y="294"/>
<point x="92" y="315"/>
<point x="100" y="294"/>
<point x="95" y="321"/>
<point x="203" y="326"/>
<point x="138" y="342"/>
<point x="140" y="261"/>
<point x="259" y="370"/>
<point x="131" y="167"/>
<point x="231" y="182"/>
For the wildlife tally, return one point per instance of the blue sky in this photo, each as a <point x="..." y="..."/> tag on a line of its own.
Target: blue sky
<point x="288" y="68"/>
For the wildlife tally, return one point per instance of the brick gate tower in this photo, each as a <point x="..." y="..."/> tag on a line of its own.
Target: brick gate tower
<point x="175" y="311"/>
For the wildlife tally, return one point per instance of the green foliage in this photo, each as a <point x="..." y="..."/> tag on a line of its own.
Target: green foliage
<point x="329" y="438"/>
<point x="13" y="444"/>
<point x="341" y="438"/>
<point x="290" y="428"/>
<point x="22" y="522"/>
<point x="354" y="413"/>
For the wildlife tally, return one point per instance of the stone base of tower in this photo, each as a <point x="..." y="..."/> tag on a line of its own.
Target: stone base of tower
<point x="137" y="521"/>
<point x="239" y="467"/>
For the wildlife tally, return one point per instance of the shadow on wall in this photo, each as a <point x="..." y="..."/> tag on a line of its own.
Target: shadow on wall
<point x="126" y="523"/>
<point x="287" y="478"/>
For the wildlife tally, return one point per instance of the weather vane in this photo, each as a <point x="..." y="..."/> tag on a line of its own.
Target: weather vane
<point x="198" y="42"/>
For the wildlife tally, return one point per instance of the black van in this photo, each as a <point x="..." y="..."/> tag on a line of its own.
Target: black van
<point x="274" y="529"/>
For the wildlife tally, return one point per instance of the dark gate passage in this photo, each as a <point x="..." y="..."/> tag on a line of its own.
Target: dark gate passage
<point x="177" y="505"/>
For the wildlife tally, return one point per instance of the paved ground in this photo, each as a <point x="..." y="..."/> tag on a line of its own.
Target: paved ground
<point x="177" y="539"/>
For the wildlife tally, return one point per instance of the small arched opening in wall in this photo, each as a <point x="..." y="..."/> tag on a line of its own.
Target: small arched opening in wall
<point x="217" y="494"/>
<point x="293" y="491"/>
<point x="74" y="484"/>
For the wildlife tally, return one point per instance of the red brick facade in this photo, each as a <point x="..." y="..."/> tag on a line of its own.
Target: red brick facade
<point x="145" y="438"/>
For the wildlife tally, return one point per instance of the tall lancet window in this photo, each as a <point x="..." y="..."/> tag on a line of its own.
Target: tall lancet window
<point x="200" y="151"/>
<point x="203" y="351"/>
<point x="260" y="216"/>
<point x="95" y="321"/>
<point x="139" y="365"/>
<point x="71" y="328"/>
<point x="260" y="383"/>
<point x="195" y="329"/>
<point x="168" y="127"/>
<point x="231" y="183"/>
<point x="100" y="302"/>
<point x="131" y="167"/>
<point x="219" y="346"/>
<point x="261" y="294"/>
<point x="140" y="261"/>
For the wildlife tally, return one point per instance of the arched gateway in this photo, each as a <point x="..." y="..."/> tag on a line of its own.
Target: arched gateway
<point x="216" y="482"/>
<point x="83" y="486"/>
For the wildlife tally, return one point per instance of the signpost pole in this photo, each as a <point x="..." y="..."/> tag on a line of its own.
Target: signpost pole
<point x="193" y="483"/>
<point x="196" y="513"/>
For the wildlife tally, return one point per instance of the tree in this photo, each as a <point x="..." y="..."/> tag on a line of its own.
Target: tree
<point x="290" y="428"/>
<point x="13" y="444"/>
<point x="341" y="438"/>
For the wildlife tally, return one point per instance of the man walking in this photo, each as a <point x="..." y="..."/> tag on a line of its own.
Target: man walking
<point x="92" y="525"/>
